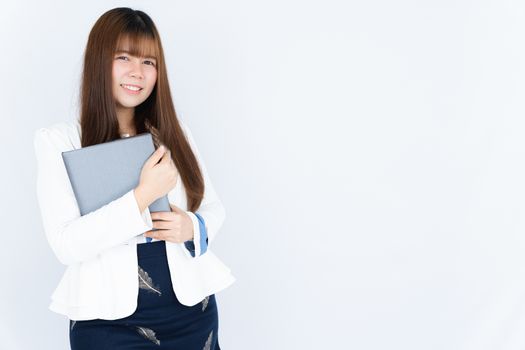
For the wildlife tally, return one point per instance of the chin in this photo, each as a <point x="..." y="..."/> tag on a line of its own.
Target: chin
<point x="129" y="104"/>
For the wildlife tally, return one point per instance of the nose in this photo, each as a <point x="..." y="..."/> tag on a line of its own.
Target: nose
<point x="136" y="70"/>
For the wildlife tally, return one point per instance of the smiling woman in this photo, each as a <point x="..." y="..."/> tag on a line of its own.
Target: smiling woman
<point x="125" y="45"/>
<point x="120" y="291"/>
<point x="134" y="77"/>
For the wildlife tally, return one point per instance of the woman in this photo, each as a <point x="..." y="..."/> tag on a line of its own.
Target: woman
<point x="134" y="279"/>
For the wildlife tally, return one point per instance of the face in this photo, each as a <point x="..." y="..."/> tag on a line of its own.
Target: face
<point x="129" y="73"/>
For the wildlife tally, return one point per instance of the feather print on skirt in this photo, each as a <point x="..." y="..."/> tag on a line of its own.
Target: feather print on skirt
<point x="207" y="346"/>
<point x="148" y="334"/>
<point x="205" y="302"/>
<point x="145" y="282"/>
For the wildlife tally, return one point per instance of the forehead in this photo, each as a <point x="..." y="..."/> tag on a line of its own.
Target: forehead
<point x="140" y="47"/>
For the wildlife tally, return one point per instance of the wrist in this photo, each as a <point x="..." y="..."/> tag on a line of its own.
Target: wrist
<point x="143" y="200"/>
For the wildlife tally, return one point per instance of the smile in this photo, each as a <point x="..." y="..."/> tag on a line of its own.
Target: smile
<point x="131" y="89"/>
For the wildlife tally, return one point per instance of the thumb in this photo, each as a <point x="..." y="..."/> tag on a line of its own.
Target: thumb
<point x="154" y="158"/>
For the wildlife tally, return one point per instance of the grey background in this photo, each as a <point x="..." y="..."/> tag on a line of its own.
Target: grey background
<point x="369" y="156"/>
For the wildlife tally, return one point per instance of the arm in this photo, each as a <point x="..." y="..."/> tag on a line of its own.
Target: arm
<point x="210" y="215"/>
<point x="74" y="238"/>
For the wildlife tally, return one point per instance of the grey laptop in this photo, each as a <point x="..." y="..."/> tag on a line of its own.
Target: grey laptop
<point x="104" y="172"/>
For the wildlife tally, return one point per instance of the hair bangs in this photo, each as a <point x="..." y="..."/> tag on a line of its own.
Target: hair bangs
<point x="138" y="44"/>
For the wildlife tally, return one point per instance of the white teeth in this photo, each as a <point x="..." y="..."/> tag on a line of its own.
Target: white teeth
<point x="131" y="87"/>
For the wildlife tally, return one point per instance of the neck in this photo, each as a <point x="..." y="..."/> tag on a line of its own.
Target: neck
<point x="125" y="118"/>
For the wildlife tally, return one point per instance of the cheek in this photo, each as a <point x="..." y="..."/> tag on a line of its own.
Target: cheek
<point x="116" y="73"/>
<point x="153" y="80"/>
<point x="152" y="77"/>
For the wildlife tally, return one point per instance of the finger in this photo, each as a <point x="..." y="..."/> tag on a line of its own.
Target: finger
<point x="163" y="225"/>
<point x="175" y="208"/>
<point x="162" y="215"/>
<point x="166" y="158"/>
<point x="157" y="234"/>
<point x="159" y="152"/>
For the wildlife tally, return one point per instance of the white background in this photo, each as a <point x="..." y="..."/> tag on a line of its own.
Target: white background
<point x="369" y="156"/>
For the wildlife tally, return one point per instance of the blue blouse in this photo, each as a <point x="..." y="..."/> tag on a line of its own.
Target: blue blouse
<point x="203" y="237"/>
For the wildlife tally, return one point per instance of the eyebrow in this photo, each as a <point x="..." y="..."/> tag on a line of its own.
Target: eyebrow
<point x="126" y="51"/>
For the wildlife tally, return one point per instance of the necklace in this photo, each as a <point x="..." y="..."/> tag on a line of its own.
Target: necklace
<point x="125" y="135"/>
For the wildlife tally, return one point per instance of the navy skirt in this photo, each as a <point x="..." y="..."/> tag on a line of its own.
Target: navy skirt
<point x="160" y="320"/>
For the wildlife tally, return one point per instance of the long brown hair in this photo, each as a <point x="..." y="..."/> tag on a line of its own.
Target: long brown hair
<point x="98" y="116"/>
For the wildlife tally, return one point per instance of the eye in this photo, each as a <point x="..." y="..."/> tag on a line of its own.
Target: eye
<point x="152" y="63"/>
<point x="121" y="57"/>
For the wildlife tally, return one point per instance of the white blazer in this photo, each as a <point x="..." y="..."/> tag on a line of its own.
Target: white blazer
<point x="100" y="248"/>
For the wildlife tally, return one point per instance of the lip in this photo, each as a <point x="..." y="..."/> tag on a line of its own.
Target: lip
<point x="130" y="91"/>
<point x="132" y="85"/>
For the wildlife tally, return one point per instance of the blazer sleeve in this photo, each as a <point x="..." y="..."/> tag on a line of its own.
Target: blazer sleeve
<point x="209" y="217"/>
<point x="72" y="237"/>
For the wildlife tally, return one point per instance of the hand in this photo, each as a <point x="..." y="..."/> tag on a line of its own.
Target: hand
<point x="157" y="179"/>
<point x="175" y="226"/>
